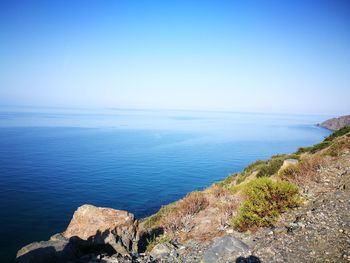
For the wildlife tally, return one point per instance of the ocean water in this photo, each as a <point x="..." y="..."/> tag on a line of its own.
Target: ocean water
<point x="54" y="160"/>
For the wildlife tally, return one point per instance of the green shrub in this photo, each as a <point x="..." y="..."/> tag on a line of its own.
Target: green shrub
<point x="302" y="150"/>
<point x="249" y="170"/>
<point x="338" y="133"/>
<point x="315" y="148"/>
<point x="271" y="167"/>
<point x="289" y="172"/>
<point x="266" y="199"/>
<point x="153" y="241"/>
<point x="326" y="142"/>
<point x="254" y="166"/>
<point x="320" y="146"/>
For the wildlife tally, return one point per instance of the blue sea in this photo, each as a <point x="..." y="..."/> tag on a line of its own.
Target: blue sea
<point x="54" y="160"/>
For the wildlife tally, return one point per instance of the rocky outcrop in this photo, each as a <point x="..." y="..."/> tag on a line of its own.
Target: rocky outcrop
<point x="91" y="229"/>
<point x="102" y="226"/>
<point x="57" y="249"/>
<point x="224" y="248"/>
<point x="336" y="123"/>
<point x="162" y="251"/>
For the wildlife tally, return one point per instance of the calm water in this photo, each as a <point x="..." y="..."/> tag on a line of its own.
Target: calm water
<point x="52" y="161"/>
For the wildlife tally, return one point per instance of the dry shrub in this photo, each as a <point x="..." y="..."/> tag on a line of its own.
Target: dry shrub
<point x="181" y="219"/>
<point x="228" y="208"/>
<point x="171" y="222"/>
<point x="290" y="173"/>
<point x="219" y="192"/>
<point x="338" y="147"/>
<point x="305" y="171"/>
<point x="193" y="203"/>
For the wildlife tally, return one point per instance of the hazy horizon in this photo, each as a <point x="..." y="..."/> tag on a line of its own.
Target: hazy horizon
<point x="236" y="56"/>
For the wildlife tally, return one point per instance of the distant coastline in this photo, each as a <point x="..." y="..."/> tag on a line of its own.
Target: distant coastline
<point x="336" y="123"/>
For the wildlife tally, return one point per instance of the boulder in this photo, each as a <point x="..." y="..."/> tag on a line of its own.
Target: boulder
<point x="104" y="226"/>
<point x="91" y="230"/>
<point x="56" y="250"/>
<point x="227" y="247"/>
<point x="288" y="162"/>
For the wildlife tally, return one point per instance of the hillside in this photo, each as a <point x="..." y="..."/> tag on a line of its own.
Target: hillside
<point x="291" y="208"/>
<point x="336" y="123"/>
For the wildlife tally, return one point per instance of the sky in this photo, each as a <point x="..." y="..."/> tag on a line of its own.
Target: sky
<point x="256" y="56"/>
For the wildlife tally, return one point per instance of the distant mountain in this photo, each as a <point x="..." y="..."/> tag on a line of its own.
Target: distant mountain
<point x="336" y="123"/>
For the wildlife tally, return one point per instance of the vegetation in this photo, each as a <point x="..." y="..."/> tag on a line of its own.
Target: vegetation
<point x="315" y="148"/>
<point x="193" y="203"/>
<point x="154" y="220"/>
<point x="154" y="240"/>
<point x="290" y="171"/>
<point x="255" y="202"/>
<point x="173" y="216"/>
<point x="336" y="148"/>
<point x="228" y="180"/>
<point x="338" y="133"/>
<point x="305" y="171"/>
<point x="266" y="199"/>
<point x="271" y="167"/>
<point x="326" y="142"/>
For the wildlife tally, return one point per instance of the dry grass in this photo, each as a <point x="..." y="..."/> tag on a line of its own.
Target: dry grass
<point x="181" y="219"/>
<point x="338" y="147"/>
<point x="193" y="203"/>
<point x="305" y="171"/>
<point x="219" y="192"/>
<point x="228" y="208"/>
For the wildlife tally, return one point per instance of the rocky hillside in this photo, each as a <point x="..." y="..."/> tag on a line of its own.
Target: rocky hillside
<point x="336" y="123"/>
<point x="291" y="208"/>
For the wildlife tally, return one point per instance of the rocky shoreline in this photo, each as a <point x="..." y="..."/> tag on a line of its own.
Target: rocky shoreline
<point x="201" y="226"/>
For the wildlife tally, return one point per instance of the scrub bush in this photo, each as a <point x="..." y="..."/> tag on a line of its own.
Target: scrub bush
<point x="266" y="199"/>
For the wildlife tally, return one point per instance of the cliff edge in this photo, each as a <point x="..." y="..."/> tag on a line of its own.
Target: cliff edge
<point x="335" y="124"/>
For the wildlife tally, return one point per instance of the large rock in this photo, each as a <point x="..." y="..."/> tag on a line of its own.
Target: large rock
<point x="288" y="162"/>
<point x="104" y="226"/>
<point x="57" y="250"/>
<point x="224" y="248"/>
<point x="92" y="229"/>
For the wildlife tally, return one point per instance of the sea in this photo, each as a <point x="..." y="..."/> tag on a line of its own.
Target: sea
<point x="54" y="160"/>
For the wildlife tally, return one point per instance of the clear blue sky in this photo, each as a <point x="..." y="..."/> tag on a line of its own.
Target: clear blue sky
<point x="265" y="56"/>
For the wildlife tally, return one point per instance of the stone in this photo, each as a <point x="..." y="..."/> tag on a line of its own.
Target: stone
<point x="224" y="248"/>
<point x="99" y="226"/>
<point x="288" y="162"/>
<point x="53" y="251"/>
<point x="91" y="228"/>
<point x="162" y="250"/>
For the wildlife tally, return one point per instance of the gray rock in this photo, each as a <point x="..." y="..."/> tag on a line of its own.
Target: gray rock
<point x="57" y="250"/>
<point x="91" y="228"/>
<point x="162" y="250"/>
<point x="224" y="248"/>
